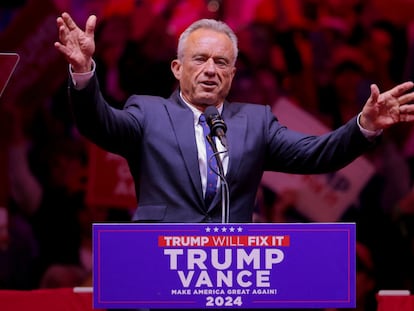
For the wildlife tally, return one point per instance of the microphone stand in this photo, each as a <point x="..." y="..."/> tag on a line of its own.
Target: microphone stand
<point x="225" y="196"/>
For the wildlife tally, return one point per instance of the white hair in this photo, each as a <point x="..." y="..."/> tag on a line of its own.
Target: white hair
<point x="211" y="24"/>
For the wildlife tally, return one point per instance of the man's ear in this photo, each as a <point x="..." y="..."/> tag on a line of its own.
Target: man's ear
<point x="176" y="68"/>
<point x="233" y="73"/>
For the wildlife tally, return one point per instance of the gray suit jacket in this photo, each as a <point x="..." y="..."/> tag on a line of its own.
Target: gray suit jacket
<point x="156" y="136"/>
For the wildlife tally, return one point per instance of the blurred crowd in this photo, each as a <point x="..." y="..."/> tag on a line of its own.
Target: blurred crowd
<point x="320" y="55"/>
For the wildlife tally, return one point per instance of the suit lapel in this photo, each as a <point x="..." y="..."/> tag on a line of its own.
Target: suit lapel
<point x="236" y="134"/>
<point x="182" y="119"/>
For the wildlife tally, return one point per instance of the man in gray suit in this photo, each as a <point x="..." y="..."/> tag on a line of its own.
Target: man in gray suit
<point x="163" y="141"/>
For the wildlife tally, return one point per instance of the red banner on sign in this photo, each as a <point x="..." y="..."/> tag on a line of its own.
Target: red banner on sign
<point x="223" y="240"/>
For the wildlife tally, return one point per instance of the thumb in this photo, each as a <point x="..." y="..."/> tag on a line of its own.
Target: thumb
<point x="90" y="25"/>
<point x="374" y="93"/>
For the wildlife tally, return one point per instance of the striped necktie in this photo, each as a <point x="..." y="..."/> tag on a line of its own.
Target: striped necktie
<point x="211" y="165"/>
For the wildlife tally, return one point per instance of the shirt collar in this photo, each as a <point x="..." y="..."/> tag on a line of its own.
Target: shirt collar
<point x="197" y="112"/>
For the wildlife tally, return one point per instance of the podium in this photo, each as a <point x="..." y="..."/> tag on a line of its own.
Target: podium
<point x="395" y="300"/>
<point x="209" y="265"/>
<point x="62" y="299"/>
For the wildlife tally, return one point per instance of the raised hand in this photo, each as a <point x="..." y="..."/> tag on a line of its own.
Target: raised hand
<point x="385" y="109"/>
<point x="76" y="45"/>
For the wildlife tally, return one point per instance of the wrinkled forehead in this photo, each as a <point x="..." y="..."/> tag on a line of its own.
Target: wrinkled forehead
<point x="210" y="41"/>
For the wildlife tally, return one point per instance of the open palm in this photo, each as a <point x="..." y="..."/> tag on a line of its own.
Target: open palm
<point x="76" y="45"/>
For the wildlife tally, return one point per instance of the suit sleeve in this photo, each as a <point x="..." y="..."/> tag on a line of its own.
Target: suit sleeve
<point x="298" y="153"/>
<point x="112" y="129"/>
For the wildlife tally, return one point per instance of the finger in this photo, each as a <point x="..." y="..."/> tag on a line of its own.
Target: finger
<point x="60" y="22"/>
<point x="401" y="88"/>
<point x="406" y="99"/>
<point x="374" y="93"/>
<point x="407" y="109"/>
<point x="63" y="49"/>
<point x="59" y="46"/>
<point x="69" y="21"/>
<point x="62" y="28"/>
<point x="90" y="25"/>
<point x="406" y="117"/>
<point x="63" y="34"/>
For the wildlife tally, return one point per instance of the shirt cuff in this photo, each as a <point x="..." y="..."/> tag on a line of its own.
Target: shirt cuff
<point x="80" y="80"/>
<point x="370" y="135"/>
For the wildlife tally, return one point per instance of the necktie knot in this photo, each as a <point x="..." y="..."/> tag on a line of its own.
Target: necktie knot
<point x="203" y="123"/>
<point x="202" y="119"/>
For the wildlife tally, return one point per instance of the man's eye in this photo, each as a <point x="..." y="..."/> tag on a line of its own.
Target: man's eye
<point x="199" y="60"/>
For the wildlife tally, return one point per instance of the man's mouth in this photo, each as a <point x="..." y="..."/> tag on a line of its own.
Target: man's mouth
<point x="209" y="83"/>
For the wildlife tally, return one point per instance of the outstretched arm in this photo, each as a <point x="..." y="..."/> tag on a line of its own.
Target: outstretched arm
<point x="76" y="45"/>
<point x="383" y="110"/>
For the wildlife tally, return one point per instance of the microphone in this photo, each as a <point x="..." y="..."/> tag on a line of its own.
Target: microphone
<point x="217" y="126"/>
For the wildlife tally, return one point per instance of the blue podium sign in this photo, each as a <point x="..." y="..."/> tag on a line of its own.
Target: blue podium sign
<point x="182" y="266"/>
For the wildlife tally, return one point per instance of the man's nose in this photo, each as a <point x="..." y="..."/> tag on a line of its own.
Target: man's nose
<point x="210" y="66"/>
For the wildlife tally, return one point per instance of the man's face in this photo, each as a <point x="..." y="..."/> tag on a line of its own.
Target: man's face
<point x="206" y="69"/>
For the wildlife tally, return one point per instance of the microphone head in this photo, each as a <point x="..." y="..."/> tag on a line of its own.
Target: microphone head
<point x="214" y="120"/>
